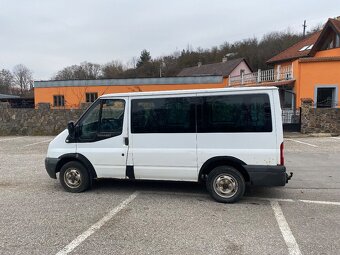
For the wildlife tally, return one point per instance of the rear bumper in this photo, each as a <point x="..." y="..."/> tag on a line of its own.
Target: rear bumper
<point x="51" y="165"/>
<point x="267" y="175"/>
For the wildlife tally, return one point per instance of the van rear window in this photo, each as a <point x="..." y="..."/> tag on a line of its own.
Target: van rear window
<point x="235" y="113"/>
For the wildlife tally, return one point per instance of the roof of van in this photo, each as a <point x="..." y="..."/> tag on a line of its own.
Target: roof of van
<point x="191" y="91"/>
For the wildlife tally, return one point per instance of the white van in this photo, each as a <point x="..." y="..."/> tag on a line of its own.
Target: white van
<point x="226" y="138"/>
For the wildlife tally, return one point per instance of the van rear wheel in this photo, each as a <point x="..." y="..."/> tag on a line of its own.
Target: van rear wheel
<point x="74" y="177"/>
<point x="225" y="184"/>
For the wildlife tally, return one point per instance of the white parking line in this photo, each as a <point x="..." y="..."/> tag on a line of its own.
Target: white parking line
<point x="82" y="237"/>
<point x="320" y="202"/>
<point x="273" y="199"/>
<point x="46" y="141"/>
<point x="293" y="247"/>
<point x="301" y="142"/>
<point x="336" y="138"/>
<point x="9" y="139"/>
<point x="297" y="200"/>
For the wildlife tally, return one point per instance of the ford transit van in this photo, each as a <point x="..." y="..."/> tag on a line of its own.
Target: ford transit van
<point x="227" y="138"/>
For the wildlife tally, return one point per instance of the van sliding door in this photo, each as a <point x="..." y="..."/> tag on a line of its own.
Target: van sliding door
<point x="163" y="138"/>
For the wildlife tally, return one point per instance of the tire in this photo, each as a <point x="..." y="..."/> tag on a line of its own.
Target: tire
<point x="225" y="184"/>
<point x="74" y="177"/>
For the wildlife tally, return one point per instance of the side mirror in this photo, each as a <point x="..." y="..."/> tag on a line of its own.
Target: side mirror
<point x="71" y="129"/>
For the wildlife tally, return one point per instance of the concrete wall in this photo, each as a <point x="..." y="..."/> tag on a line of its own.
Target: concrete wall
<point x="42" y="121"/>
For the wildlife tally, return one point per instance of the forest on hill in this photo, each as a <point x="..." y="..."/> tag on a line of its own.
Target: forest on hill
<point x="255" y="51"/>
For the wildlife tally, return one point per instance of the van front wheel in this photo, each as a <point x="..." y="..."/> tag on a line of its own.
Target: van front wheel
<point x="225" y="184"/>
<point x="74" y="177"/>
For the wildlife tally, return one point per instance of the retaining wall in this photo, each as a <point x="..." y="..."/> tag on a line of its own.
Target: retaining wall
<point x="320" y="120"/>
<point x="45" y="121"/>
<point x="41" y="121"/>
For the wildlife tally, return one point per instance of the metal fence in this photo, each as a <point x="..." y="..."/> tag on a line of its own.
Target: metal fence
<point x="291" y="120"/>
<point x="291" y="116"/>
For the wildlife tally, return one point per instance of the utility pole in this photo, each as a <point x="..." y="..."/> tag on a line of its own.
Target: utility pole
<point x="304" y="28"/>
<point x="161" y="65"/>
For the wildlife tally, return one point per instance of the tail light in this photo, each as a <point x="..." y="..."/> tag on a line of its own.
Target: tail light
<point x="282" y="159"/>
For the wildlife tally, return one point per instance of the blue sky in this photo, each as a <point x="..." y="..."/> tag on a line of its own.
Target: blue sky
<point x="47" y="35"/>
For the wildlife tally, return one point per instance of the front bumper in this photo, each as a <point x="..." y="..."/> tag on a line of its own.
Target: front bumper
<point x="51" y="166"/>
<point x="267" y="175"/>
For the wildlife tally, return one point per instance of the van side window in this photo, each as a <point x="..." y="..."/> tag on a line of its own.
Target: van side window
<point x="103" y="120"/>
<point x="235" y="114"/>
<point x="163" y="115"/>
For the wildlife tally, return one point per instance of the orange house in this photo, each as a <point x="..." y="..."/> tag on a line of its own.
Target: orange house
<point x="72" y="93"/>
<point x="308" y="69"/>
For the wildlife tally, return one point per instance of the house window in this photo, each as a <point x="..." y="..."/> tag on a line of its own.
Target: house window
<point x="58" y="101"/>
<point x="91" y="97"/>
<point x="325" y="97"/>
<point x="286" y="98"/>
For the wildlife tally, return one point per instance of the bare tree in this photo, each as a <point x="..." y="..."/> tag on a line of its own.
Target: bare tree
<point x="85" y="70"/>
<point x="131" y="64"/>
<point x="91" y="70"/>
<point x="6" y="81"/>
<point x="113" y="69"/>
<point x="22" y="78"/>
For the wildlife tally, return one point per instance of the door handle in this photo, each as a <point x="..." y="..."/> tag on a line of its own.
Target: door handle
<point x="126" y="141"/>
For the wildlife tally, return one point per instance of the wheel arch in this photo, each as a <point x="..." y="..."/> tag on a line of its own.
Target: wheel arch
<point x="79" y="158"/>
<point x="211" y="163"/>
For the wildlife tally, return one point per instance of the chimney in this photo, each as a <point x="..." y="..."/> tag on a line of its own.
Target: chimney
<point x="199" y="64"/>
<point x="224" y="59"/>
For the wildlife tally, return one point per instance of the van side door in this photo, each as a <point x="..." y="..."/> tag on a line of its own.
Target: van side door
<point x="102" y="134"/>
<point x="163" y="137"/>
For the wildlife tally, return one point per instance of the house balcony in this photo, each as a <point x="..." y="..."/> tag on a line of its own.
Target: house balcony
<point x="263" y="77"/>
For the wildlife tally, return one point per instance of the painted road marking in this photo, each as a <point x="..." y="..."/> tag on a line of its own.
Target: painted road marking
<point x="8" y="139"/>
<point x="293" y="247"/>
<point x="273" y="199"/>
<point x="336" y="138"/>
<point x="46" y="141"/>
<point x="297" y="200"/>
<point x="320" y="202"/>
<point x="301" y="142"/>
<point x="82" y="237"/>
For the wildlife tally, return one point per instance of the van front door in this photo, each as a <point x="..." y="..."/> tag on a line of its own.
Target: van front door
<point x="101" y="137"/>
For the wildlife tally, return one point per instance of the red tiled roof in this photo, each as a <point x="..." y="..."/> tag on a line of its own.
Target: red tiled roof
<point x="336" y="24"/>
<point x="293" y="51"/>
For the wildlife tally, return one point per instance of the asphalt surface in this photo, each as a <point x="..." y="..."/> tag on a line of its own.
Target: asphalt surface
<point x="38" y="217"/>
